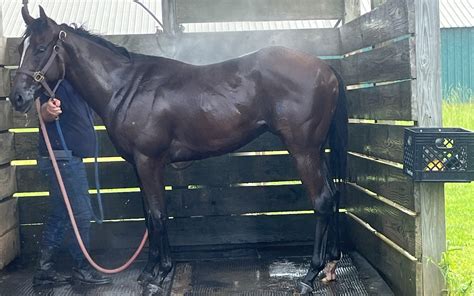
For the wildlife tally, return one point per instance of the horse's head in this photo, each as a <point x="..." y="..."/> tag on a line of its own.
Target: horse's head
<point x="40" y="61"/>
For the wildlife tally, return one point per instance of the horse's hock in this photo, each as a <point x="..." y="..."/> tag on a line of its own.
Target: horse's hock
<point x="389" y="58"/>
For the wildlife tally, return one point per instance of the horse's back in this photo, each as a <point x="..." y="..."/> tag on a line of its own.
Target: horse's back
<point x="201" y="111"/>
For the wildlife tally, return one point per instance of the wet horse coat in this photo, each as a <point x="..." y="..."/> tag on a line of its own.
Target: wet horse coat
<point x="159" y="111"/>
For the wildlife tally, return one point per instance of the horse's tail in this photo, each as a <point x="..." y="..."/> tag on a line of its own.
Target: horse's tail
<point x="338" y="134"/>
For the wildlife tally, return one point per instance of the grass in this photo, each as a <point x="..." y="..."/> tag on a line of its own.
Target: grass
<point x="459" y="260"/>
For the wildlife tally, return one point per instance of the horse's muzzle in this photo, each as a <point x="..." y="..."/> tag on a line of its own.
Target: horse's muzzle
<point x="21" y="102"/>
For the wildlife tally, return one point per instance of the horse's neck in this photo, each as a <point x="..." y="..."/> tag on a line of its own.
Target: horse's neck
<point x="96" y="76"/>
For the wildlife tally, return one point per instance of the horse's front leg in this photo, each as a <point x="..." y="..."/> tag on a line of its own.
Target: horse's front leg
<point x="148" y="273"/>
<point x="150" y="172"/>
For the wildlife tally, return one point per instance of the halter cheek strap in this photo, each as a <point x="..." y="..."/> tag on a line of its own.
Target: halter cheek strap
<point x="39" y="76"/>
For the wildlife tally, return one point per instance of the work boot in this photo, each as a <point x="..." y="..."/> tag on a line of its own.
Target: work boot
<point x="45" y="273"/>
<point x="87" y="275"/>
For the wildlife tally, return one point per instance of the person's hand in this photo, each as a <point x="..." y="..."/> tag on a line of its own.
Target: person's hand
<point x="51" y="110"/>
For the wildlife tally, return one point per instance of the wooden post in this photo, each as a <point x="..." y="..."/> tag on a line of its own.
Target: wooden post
<point x="171" y="27"/>
<point x="427" y="104"/>
<point x="351" y="10"/>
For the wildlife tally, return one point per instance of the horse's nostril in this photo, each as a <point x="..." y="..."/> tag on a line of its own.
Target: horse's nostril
<point x="19" y="99"/>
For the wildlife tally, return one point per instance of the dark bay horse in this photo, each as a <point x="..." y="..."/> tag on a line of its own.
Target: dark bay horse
<point x="159" y="111"/>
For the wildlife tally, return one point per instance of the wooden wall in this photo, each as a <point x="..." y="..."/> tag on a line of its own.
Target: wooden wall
<point x="202" y="11"/>
<point x="386" y="208"/>
<point x="222" y="199"/>
<point x="9" y="226"/>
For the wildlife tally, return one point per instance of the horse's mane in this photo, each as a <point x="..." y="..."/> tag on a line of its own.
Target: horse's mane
<point x="39" y="24"/>
<point x="80" y="30"/>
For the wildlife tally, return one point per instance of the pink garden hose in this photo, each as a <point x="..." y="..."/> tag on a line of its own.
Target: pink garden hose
<point x="69" y="208"/>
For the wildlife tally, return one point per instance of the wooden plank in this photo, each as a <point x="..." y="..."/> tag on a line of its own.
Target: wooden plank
<point x="217" y="47"/>
<point x="383" y="179"/>
<point x="384" y="23"/>
<point x="3" y="50"/>
<point x="387" y="102"/>
<point x="187" y="203"/>
<point x="429" y="197"/>
<point x="377" y="140"/>
<point x="202" y="11"/>
<point x="7" y="152"/>
<point x="212" y="231"/>
<point x="389" y="63"/>
<point x="218" y="171"/>
<point x="351" y="10"/>
<point x="7" y="181"/>
<point x="26" y="145"/>
<point x="4" y="81"/>
<point x="112" y="175"/>
<point x="6" y="116"/>
<point x="250" y="229"/>
<point x="205" y="48"/>
<point x="8" y="215"/>
<point x="398" y="226"/>
<point x="28" y="120"/>
<point x="116" y="206"/>
<point x="399" y="272"/>
<point x="9" y="246"/>
<point x="236" y="170"/>
<point x="12" y="56"/>
<point x="237" y="200"/>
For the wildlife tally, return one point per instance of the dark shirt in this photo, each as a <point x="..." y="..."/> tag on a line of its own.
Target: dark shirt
<point x="74" y="121"/>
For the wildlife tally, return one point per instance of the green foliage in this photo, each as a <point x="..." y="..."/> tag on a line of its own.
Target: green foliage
<point x="459" y="115"/>
<point x="459" y="94"/>
<point x="457" y="263"/>
<point x="456" y="283"/>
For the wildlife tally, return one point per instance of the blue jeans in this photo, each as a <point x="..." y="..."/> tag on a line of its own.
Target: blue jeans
<point x="58" y="225"/>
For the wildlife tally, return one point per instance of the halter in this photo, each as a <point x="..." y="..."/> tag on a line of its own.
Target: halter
<point x="40" y="76"/>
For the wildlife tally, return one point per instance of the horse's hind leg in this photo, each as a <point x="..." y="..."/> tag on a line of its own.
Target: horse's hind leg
<point x="333" y="253"/>
<point x="313" y="173"/>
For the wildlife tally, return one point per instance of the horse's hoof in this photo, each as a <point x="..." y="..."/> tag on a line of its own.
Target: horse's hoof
<point x="328" y="279"/>
<point x="144" y="278"/>
<point x="152" y="289"/>
<point x="329" y="272"/>
<point x="304" y="288"/>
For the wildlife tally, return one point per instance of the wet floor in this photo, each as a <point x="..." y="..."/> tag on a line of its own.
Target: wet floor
<point x="241" y="276"/>
<point x="260" y="277"/>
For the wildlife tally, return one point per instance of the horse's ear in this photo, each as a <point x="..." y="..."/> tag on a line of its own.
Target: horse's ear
<point x="26" y="15"/>
<point x="42" y="14"/>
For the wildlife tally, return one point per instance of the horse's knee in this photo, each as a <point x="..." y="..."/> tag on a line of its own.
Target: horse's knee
<point x="324" y="204"/>
<point x="157" y="219"/>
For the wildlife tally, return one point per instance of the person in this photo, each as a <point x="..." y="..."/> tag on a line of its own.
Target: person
<point x="77" y="129"/>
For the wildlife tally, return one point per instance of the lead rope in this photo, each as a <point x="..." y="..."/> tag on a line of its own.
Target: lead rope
<point x="70" y="212"/>
<point x="98" y="219"/>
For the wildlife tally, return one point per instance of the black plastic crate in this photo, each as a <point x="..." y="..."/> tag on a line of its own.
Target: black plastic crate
<point x="439" y="154"/>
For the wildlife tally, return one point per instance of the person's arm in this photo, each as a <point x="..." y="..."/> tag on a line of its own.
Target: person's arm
<point x="51" y="110"/>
